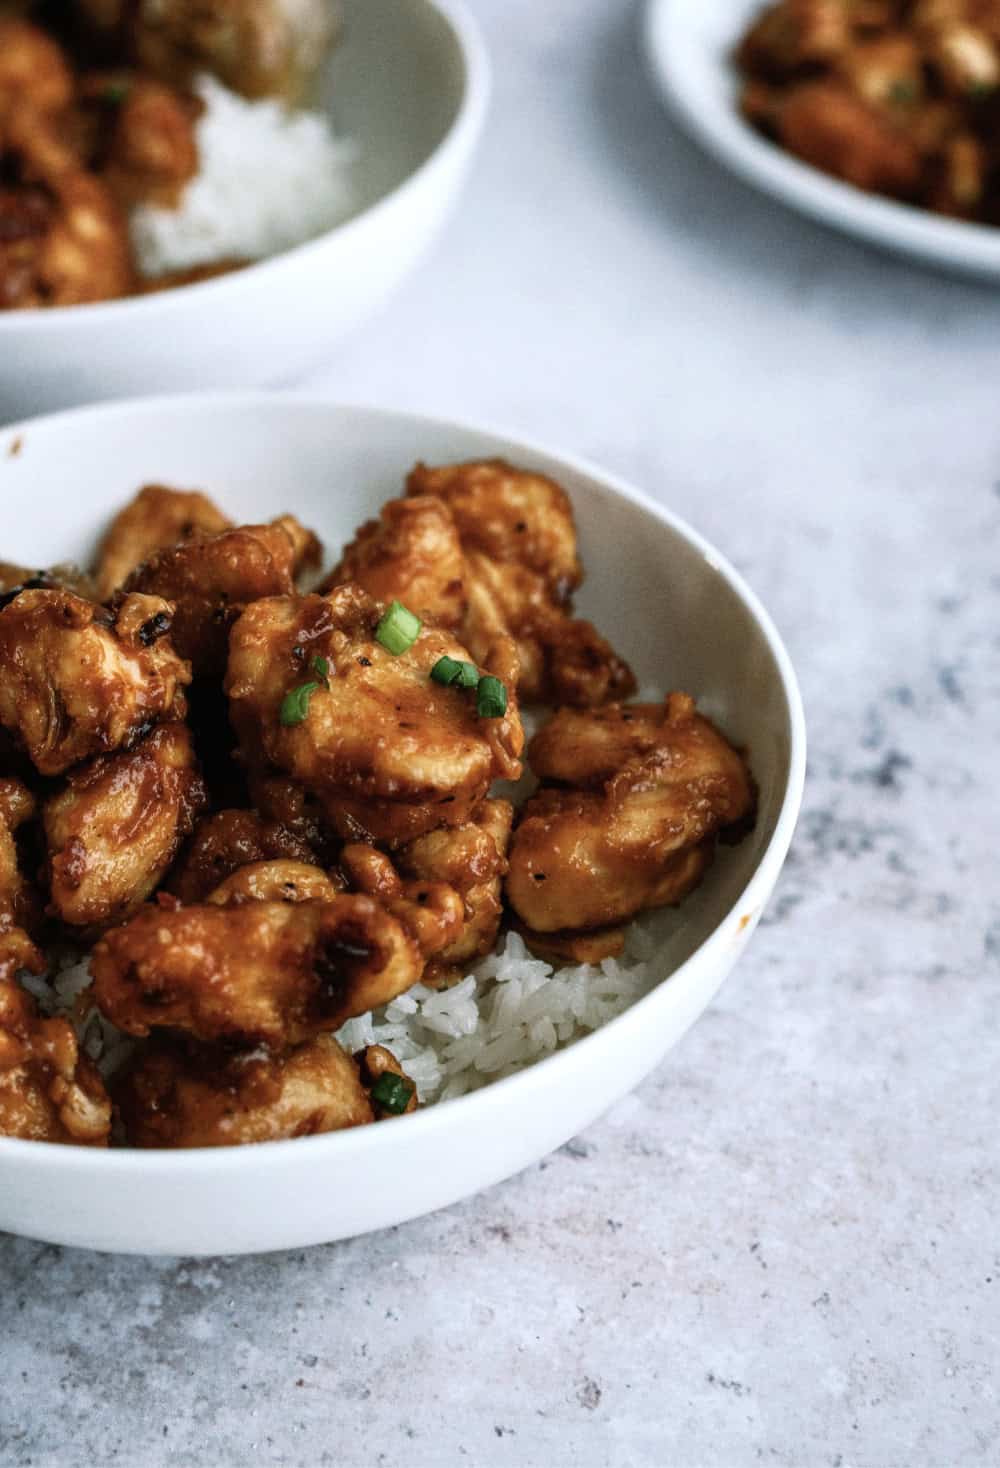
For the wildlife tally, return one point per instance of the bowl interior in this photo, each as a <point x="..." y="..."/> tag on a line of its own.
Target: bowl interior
<point x="394" y="85"/>
<point x="665" y="600"/>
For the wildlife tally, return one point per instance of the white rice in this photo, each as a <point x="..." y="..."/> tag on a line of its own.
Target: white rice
<point x="269" y="178"/>
<point x="511" y="1010"/>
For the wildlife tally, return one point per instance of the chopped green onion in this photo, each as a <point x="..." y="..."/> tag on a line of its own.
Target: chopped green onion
<point x="398" y="629"/>
<point x="392" y="1093"/>
<point x="295" y="705"/>
<point x="453" y="673"/>
<point x="491" y="698"/>
<point x="116" y="91"/>
<point x="321" y="668"/>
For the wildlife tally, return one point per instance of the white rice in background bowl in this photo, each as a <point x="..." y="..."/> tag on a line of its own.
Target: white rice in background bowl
<point x="269" y="178"/>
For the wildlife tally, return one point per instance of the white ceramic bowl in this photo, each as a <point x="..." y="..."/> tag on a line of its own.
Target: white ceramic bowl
<point x="673" y="606"/>
<point x="689" y="45"/>
<point x="409" y="84"/>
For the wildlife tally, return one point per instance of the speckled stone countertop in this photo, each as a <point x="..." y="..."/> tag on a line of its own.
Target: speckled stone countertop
<point x="785" y="1246"/>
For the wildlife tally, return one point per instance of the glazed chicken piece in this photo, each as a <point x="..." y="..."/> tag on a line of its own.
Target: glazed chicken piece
<point x="19" y="905"/>
<point x="228" y="841"/>
<point x="48" y="1091"/>
<point x="276" y="881"/>
<point x="157" y="519"/>
<point x="519" y="541"/>
<point x="626" y="836"/>
<point x="276" y="973"/>
<point x="792" y="35"/>
<point x="77" y="681"/>
<point x="262" y="48"/>
<point x="432" y="912"/>
<point x="390" y="753"/>
<point x="64" y="577"/>
<point x="211" y="580"/>
<point x="412" y="554"/>
<point x="115" y="828"/>
<point x="34" y="71"/>
<point x="63" y="239"/>
<point x="287" y="803"/>
<point x="183" y="1094"/>
<point x="472" y="859"/>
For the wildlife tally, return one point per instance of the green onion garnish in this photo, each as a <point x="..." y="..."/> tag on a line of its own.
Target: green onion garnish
<point x="321" y="668"/>
<point x="491" y="698"/>
<point x="115" y="92"/>
<point x="295" y="705"/>
<point x="398" y="629"/>
<point x="392" y="1093"/>
<point x="453" y="673"/>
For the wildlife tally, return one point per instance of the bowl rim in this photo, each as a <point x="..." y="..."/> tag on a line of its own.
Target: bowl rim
<point x="955" y="244"/>
<point x="340" y="1146"/>
<point x="457" y="143"/>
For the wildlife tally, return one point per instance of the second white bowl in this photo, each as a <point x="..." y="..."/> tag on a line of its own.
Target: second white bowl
<point x="409" y="86"/>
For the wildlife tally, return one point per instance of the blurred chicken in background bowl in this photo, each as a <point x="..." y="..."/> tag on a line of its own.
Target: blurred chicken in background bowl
<point x="167" y="143"/>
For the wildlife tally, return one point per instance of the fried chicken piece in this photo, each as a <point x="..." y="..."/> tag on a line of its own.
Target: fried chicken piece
<point x="211" y="580"/>
<point x="472" y="859"/>
<point x="432" y="912"/>
<point x="276" y="973"/>
<point x="34" y="71"/>
<point x="572" y="947"/>
<point x="827" y="125"/>
<point x="277" y="881"/>
<point x="183" y="1094"/>
<point x="412" y="554"/>
<point x="63" y="239"/>
<point x="115" y="828"/>
<point x="585" y="857"/>
<point x="157" y="519"/>
<point x="390" y="753"/>
<point x="519" y="540"/>
<point x="48" y="1091"/>
<point x="64" y="577"/>
<point x="262" y="48"/>
<point x="793" y="35"/>
<point x="79" y="681"/>
<point x="227" y="841"/>
<point x="19" y="905"/>
<point x="279" y="798"/>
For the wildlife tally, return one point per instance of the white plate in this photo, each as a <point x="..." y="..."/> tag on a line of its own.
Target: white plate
<point x="673" y="606"/>
<point x="689" y="45"/>
<point x="409" y="85"/>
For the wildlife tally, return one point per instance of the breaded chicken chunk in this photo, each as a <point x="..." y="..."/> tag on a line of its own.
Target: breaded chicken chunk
<point x="76" y="680"/>
<point x="227" y="841"/>
<point x="628" y="835"/>
<point x="211" y="580"/>
<point x="34" y="70"/>
<point x="180" y="1093"/>
<point x="472" y="859"/>
<point x="277" y="881"/>
<point x="115" y="828"/>
<point x="48" y="1091"/>
<point x="412" y="554"/>
<point x="157" y="519"/>
<point x="518" y="538"/>
<point x="19" y="905"/>
<point x="389" y="752"/>
<point x="276" y="973"/>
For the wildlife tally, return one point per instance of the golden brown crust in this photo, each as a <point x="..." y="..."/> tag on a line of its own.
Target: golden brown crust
<point x="633" y="834"/>
<point x="156" y="519"/>
<point x="48" y="1092"/>
<point x="275" y="973"/>
<point x="388" y="752"/>
<point x="227" y="841"/>
<point x="78" y="681"/>
<point x="182" y="1094"/>
<point x="212" y="580"/>
<point x="412" y="554"/>
<point x="115" y="828"/>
